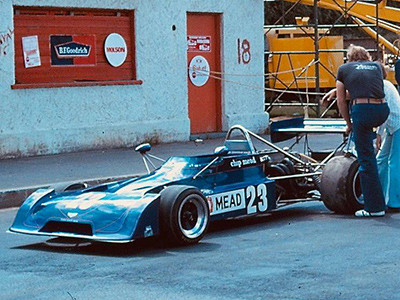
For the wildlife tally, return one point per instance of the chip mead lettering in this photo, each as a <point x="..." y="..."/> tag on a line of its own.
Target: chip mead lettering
<point x="226" y="202"/>
<point x="243" y="162"/>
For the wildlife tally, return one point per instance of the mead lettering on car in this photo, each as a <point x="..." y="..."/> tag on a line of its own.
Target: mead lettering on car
<point x="227" y="202"/>
<point x="72" y="49"/>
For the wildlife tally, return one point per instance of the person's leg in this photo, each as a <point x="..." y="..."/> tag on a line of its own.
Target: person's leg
<point x="363" y="116"/>
<point x="382" y="160"/>
<point x="394" y="168"/>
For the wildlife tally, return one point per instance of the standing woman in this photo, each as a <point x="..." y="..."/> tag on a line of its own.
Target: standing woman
<point x="363" y="79"/>
<point x="388" y="158"/>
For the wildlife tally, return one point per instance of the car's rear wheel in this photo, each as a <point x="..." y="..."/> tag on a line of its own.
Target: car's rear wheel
<point x="184" y="215"/>
<point x="340" y="185"/>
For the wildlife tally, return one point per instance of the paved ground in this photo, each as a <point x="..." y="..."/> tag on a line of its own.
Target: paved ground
<point x="300" y="252"/>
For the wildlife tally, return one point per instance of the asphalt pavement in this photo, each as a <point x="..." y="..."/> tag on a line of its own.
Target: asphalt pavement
<point x="20" y="177"/>
<point x="299" y="252"/>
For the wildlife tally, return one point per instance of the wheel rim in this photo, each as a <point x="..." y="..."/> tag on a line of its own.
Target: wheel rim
<point x="192" y="216"/>
<point x="357" y="188"/>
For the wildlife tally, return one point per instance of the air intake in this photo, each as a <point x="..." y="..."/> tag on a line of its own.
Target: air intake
<point x="67" y="227"/>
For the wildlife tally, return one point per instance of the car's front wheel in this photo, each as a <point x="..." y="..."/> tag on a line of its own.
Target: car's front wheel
<point x="184" y="215"/>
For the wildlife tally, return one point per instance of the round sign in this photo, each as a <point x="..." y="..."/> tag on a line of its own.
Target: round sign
<point x="115" y="49"/>
<point x="199" y="70"/>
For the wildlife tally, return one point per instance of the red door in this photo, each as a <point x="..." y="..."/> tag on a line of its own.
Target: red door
<point x="204" y="64"/>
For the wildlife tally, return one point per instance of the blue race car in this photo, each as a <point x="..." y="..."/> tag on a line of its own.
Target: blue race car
<point x="177" y="200"/>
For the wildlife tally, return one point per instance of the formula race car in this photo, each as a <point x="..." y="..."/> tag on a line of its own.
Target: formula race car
<point x="179" y="199"/>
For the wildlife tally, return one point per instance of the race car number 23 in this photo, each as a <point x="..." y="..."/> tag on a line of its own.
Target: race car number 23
<point x="257" y="193"/>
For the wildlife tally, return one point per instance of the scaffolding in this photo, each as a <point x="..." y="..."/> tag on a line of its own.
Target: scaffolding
<point x="309" y="73"/>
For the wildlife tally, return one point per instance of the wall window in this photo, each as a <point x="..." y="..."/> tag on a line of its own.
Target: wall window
<point x="68" y="47"/>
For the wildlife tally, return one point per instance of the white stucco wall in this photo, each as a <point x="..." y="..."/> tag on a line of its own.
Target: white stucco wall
<point x="54" y="120"/>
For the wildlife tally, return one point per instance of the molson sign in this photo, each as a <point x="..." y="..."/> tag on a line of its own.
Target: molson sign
<point x="73" y="50"/>
<point x="115" y="49"/>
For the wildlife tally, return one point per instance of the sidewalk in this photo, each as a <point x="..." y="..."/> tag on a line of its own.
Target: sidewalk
<point x="20" y="177"/>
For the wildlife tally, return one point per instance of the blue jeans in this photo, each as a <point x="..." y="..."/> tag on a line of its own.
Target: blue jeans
<point x="388" y="160"/>
<point x="365" y="117"/>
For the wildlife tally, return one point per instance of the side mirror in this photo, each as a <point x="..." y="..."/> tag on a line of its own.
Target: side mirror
<point x="143" y="148"/>
<point x="221" y="150"/>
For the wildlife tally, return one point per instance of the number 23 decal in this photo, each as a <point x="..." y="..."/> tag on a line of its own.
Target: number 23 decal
<point x="259" y="193"/>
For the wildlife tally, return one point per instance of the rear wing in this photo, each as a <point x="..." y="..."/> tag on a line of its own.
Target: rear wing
<point x="285" y="129"/>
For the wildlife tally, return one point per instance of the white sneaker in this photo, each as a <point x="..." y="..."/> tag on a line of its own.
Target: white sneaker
<point x="364" y="213"/>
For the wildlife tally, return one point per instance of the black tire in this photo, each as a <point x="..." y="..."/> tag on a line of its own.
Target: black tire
<point x="340" y="185"/>
<point x="184" y="215"/>
<point x="289" y="164"/>
<point x="288" y="184"/>
<point x="280" y="189"/>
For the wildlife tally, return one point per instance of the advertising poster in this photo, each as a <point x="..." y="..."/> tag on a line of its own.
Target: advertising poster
<point x="199" y="43"/>
<point x="73" y="50"/>
<point x="30" y="47"/>
<point x="115" y="49"/>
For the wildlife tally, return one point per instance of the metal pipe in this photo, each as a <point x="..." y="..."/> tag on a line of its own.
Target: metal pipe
<point x="292" y="104"/>
<point x="319" y="26"/>
<point x="146" y="164"/>
<point x="276" y="148"/>
<point x="316" y="57"/>
<point x="295" y="176"/>
<point x="206" y="167"/>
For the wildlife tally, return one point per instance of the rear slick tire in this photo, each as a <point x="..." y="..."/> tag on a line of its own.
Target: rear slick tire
<point x="340" y="185"/>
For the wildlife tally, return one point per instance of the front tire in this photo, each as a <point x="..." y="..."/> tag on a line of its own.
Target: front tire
<point x="184" y="215"/>
<point x="340" y="185"/>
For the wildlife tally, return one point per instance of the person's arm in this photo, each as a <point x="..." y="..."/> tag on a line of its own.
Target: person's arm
<point x="379" y="134"/>
<point x="330" y="95"/>
<point x="378" y="142"/>
<point x="343" y="105"/>
<point x="381" y="128"/>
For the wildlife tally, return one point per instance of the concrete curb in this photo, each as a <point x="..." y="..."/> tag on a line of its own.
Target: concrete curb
<point x="14" y="198"/>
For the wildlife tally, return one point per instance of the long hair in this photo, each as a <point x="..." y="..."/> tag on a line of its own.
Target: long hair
<point x="357" y="53"/>
<point x="384" y="70"/>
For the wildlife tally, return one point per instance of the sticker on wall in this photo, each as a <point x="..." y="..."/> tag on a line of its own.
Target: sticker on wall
<point x="115" y="49"/>
<point x="30" y="47"/>
<point x="199" y="43"/>
<point x="73" y="50"/>
<point x="199" y="70"/>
